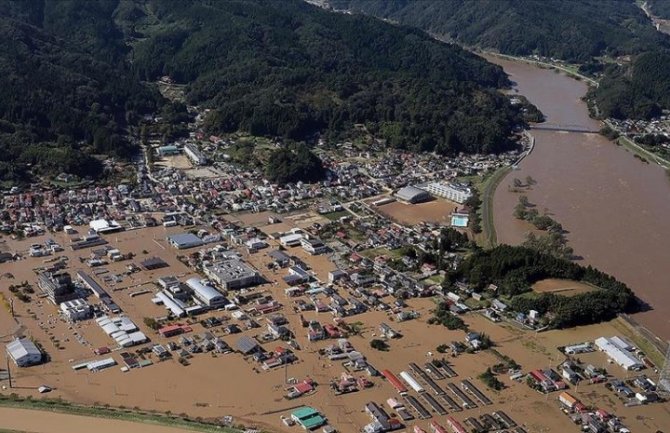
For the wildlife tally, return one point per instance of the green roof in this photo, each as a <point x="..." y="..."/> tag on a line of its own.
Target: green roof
<point x="308" y="417"/>
<point x="313" y="422"/>
<point x="304" y="412"/>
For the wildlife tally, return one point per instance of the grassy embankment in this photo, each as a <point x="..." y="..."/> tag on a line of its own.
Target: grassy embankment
<point x="123" y="414"/>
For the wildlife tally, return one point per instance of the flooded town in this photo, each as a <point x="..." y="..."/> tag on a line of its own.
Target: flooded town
<point x="334" y="216"/>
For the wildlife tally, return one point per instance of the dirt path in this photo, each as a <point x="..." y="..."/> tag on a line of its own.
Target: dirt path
<point x="35" y="421"/>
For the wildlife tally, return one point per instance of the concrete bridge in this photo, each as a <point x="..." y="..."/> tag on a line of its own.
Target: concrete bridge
<point x="581" y="129"/>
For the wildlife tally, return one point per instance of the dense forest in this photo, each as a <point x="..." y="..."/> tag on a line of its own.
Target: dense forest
<point x="575" y="31"/>
<point x="515" y="269"/>
<point x="639" y="90"/>
<point x="65" y="91"/>
<point x="290" y="69"/>
<point x="660" y="8"/>
<point x="581" y="33"/>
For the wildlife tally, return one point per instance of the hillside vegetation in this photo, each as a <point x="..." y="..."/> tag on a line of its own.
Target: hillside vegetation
<point x="292" y="70"/>
<point x="574" y="30"/>
<point x="74" y="73"/>
<point x="578" y="31"/>
<point x="64" y="93"/>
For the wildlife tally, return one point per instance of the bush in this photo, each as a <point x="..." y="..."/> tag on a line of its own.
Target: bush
<point x="379" y="345"/>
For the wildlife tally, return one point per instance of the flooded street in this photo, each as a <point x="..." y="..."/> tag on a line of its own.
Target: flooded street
<point x="615" y="207"/>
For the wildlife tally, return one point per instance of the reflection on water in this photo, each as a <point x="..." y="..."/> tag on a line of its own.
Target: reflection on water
<point x="615" y="207"/>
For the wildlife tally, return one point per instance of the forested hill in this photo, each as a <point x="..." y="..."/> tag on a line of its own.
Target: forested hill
<point x="66" y="92"/>
<point x="660" y="8"/>
<point x="573" y="30"/>
<point x="290" y="69"/>
<point x="579" y="31"/>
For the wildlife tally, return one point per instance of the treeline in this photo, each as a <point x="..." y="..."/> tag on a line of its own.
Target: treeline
<point x="515" y="269"/>
<point x="292" y="70"/>
<point x="65" y="91"/>
<point x="639" y="90"/>
<point x="575" y="31"/>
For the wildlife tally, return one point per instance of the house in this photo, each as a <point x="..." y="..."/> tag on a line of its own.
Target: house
<point x="247" y="345"/>
<point x="387" y="331"/>
<point x="280" y="258"/>
<point x="24" y="352"/>
<point x="313" y="246"/>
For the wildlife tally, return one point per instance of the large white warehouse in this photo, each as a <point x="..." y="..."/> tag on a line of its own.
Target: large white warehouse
<point x="618" y="354"/>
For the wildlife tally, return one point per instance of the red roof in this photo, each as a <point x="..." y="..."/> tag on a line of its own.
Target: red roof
<point x="303" y="387"/>
<point x="393" y="380"/>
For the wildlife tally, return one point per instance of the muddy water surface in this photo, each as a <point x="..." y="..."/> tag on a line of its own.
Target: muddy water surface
<point x="615" y="207"/>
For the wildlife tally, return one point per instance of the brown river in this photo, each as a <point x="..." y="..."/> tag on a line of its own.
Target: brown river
<point x="615" y="207"/>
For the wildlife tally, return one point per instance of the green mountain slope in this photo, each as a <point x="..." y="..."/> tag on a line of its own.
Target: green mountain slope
<point x="63" y="96"/>
<point x="574" y="30"/>
<point x="71" y="74"/>
<point x="290" y="69"/>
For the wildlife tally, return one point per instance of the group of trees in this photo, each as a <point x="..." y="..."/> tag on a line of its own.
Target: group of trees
<point x="295" y="163"/>
<point x="514" y="269"/>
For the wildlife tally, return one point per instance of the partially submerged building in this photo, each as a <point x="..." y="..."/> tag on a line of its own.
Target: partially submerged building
<point x="24" y="352"/>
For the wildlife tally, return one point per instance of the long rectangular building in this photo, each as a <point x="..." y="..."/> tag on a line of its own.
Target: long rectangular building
<point x="619" y="356"/>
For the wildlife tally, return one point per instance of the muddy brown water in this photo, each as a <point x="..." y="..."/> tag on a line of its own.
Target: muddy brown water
<point x="615" y="207"/>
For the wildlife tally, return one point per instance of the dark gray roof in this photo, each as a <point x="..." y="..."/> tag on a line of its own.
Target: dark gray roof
<point x="247" y="345"/>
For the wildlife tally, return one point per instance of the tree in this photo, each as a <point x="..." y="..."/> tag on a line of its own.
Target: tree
<point x="380" y="345"/>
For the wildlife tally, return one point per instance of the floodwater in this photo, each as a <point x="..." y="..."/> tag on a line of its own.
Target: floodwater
<point x="615" y="207"/>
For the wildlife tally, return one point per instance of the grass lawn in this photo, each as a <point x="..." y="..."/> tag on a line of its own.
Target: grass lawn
<point x="334" y="216"/>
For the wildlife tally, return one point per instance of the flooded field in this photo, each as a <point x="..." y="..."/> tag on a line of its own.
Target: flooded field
<point x="615" y="207"/>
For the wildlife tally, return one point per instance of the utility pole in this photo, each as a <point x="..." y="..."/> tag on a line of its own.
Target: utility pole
<point x="9" y="374"/>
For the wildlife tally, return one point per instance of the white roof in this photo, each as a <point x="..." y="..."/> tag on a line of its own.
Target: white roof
<point x="204" y="292"/>
<point x="21" y="348"/>
<point x="624" y="359"/>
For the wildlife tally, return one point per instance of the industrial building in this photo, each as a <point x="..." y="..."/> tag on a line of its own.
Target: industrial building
<point x="455" y="193"/>
<point x="208" y="295"/>
<point x="122" y="330"/>
<point x="58" y="286"/>
<point x="24" y="352"/>
<point x="617" y="350"/>
<point x="232" y="273"/>
<point x="412" y="194"/>
<point x="92" y="285"/>
<point x="194" y="154"/>
<point x="76" y="309"/>
<point x="184" y="241"/>
<point x="105" y="226"/>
